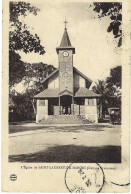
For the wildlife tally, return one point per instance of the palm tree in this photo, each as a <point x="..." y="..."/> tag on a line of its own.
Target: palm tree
<point x="102" y="89"/>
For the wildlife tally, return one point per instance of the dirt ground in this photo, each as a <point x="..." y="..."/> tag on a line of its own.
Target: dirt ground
<point x="29" y="142"/>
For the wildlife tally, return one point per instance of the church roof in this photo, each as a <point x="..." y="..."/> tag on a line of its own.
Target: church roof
<point x="65" y="42"/>
<point x="53" y="73"/>
<point x="84" y="92"/>
<point x="76" y="70"/>
<point x="66" y="92"/>
<point x="82" y="75"/>
<point x="54" y="93"/>
<point x="48" y="93"/>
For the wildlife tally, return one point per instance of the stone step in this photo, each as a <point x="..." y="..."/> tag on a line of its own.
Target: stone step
<point x="65" y="119"/>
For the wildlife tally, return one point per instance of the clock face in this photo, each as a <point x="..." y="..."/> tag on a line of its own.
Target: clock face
<point x="65" y="54"/>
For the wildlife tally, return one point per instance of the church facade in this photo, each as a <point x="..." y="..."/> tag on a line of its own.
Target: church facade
<point x="67" y="89"/>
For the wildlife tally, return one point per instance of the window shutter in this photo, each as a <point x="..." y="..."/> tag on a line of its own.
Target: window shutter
<point x="91" y="102"/>
<point x="41" y="102"/>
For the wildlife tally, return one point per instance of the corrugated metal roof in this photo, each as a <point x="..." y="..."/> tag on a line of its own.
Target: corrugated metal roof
<point x="48" y="93"/>
<point x="54" y="93"/>
<point x="84" y="92"/>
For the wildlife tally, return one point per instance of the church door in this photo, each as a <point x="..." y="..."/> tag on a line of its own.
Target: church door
<point x="66" y="104"/>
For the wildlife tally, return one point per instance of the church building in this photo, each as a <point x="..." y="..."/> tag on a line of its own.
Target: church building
<point x="67" y="92"/>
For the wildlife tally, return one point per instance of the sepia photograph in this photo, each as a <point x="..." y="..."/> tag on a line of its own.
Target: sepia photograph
<point x="65" y="82"/>
<point x="66" y="96"/>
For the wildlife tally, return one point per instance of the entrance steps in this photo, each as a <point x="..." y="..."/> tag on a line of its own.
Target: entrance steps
<point x="65" y="119"/>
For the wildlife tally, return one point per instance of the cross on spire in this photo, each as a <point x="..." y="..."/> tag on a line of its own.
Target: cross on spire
<point x="65" y="23"/>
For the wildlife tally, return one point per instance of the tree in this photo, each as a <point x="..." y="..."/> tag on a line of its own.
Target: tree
<point x="16" y="68"/>
<point x="19" y="36"/>
<point x="114" y="82"/>
<point x="20" y="39"/>
<point x="110" y="90"/>
<point x="33" y="79"/>
<point x="115" y="77"/>
<point x="22" y="106"/>
<point x="114" y="11"/>
<point x="23" y="103"/>
<point x="101" y="88"/>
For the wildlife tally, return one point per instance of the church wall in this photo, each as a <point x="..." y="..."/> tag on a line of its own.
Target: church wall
<point x="78" y="81"/>
<point x="56" y="110"/>
<point x="88" y="109"/>
<point x="82" y="82"/>
<point x="53" y="106"/>
<point x="91" y="113"/>
<point x="42" y="110"/>
<point x="66" y="71"/>
<point x="53" y="82"/>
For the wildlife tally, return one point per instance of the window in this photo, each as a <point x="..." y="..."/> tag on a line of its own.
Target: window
<point x="41" y="102"/>
<point x="91" y="102"/>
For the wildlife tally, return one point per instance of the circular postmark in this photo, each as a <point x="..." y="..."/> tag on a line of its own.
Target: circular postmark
<point x="13" y="177"/>
<point x="80" y="178"/>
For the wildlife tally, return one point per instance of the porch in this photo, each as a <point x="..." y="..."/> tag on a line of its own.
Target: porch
<point x="67" y="105"/>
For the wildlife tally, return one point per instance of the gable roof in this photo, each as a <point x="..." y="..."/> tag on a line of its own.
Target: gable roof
<point x="54" y="93"/>
<point x="84" y="92"/>
<point x="48" y="93"/>
<point x="82" y="75"/>
<point x="76" y="70"/>
<point x="49" y="76"/>
<point x="66" y="92"/>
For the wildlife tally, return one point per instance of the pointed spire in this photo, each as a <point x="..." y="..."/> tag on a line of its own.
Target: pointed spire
<point x="65" y="42"/>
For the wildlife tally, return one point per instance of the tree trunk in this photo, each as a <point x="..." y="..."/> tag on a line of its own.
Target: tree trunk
<point x="32" y="101"/>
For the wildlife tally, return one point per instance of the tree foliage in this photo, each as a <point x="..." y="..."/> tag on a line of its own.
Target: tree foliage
<point x="23" y="103"/>
<point x="19" y="36"/>
<point x="35" y="74"/>
<point x="115" y="77"/>
<point x="101" y="88"/>
<point x="20" y="39"/>
<point x="16" y="68"/>
<point x="110" y="90"/>
<point x="114" y="11"/>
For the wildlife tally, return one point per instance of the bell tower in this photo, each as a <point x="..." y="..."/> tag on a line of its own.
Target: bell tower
<point x="65" y="58"/>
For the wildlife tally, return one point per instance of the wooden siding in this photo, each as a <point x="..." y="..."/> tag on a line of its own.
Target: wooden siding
<point x="78" y="81"/>
<point x="54" y="81"/>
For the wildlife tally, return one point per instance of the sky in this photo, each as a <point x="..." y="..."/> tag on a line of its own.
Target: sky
<point x="96" y="50"/>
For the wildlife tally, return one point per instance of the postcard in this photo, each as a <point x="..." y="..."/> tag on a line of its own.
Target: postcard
<point x="66" y="96"/>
